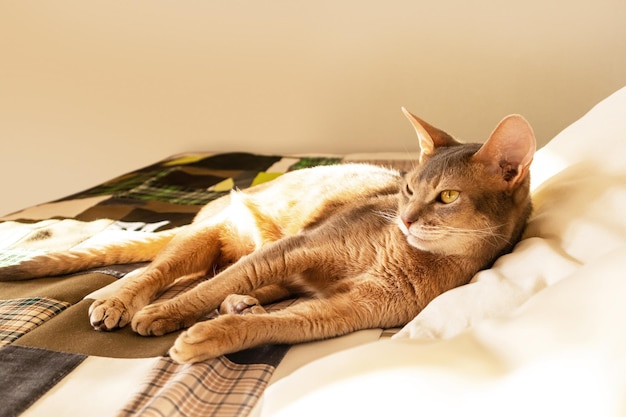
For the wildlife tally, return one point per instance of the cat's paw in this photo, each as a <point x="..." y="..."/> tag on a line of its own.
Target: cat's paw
<point x="159" y="319"/>
<point x="109" y="314"/>
<point x="241" y="304"/>
<point x="202" y="341"/>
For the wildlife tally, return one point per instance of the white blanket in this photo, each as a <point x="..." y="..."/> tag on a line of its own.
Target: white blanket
<point x="543" y="332"/>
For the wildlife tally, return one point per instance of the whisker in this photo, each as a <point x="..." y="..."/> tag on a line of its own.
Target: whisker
<point x="487" y="234"/>
<point x="390" y="216"/>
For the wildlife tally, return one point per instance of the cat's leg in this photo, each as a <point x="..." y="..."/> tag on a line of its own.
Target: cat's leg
<point x="128" y="249"/>
<point x="192" y="252"/>
<point x="308" y="320"/>
<point x="271" y="264"/>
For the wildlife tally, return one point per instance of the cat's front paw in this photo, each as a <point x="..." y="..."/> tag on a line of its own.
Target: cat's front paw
<point x="204" y="340"/>
<point x="241" y="304"/>
<point x="159" y="319"/>
<point x="109" y="314"/>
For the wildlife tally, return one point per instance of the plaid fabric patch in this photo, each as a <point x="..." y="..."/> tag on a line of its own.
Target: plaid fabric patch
<point x="171" y="194"/>
<point x="116" y="185"/>
<point x="308" y="162"/>
<point x="19" y="316"/>
<point x="214" y="388"/>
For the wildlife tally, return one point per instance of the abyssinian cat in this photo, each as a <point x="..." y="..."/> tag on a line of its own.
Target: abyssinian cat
<point x="369" y="247"/>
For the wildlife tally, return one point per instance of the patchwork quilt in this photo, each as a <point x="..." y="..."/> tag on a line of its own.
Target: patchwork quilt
<point x="53" y="363"/>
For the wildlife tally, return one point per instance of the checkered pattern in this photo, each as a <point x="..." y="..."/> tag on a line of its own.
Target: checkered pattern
<point x="117" y="185"/>
<point x="153" y="191"/>
<point x="19" y="316"/>
<point x="216" y="388"/>
<point x="308" y="162"/>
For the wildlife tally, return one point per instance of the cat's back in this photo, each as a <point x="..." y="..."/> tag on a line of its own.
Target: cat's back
<point x="333" y="180"/>
<point x="310" y="195"/>
<point x="306" y="196"/>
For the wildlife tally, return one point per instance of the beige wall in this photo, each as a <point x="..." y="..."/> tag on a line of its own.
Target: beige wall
<point x="91" y="89"/>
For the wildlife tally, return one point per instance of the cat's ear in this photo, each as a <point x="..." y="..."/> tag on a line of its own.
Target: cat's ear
<point x="429" y="136"/>
<point x="509" y="150"/>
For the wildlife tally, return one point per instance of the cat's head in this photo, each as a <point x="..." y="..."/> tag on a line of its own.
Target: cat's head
<point x="468" y="198"/>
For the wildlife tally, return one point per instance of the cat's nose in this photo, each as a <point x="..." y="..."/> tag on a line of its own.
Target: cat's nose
<point x="407" y="221"/>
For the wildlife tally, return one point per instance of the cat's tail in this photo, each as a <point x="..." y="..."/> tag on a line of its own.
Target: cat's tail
<point x="138" y="249"/>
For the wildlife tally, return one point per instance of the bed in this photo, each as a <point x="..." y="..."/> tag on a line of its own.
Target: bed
<point x="540" y="333"/>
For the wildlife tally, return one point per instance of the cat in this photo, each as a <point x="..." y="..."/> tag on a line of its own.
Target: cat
<point x="365" y="246"/>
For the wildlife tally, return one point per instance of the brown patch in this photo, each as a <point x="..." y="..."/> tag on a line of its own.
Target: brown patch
<point x="40" y="235"/>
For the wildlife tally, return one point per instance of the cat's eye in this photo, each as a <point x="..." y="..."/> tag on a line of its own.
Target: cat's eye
<point x="408" y="190"/>
<point x="448" y="196"/>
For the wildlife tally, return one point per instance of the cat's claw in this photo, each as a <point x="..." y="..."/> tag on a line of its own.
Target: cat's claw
<point x="109" y="314"/>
